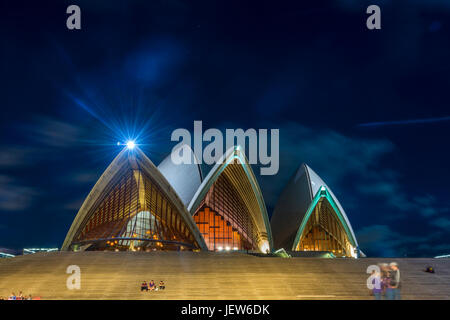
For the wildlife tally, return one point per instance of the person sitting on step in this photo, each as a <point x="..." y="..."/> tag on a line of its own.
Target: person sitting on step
<point x="144" y="286"/>
<point x="161" y="285"/>
<point x="151" y="285"/>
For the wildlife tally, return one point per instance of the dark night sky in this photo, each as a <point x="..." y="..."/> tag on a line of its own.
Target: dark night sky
<point x="310" y="68"/>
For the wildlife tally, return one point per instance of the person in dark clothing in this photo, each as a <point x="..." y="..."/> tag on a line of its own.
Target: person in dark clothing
<point x="151" y="285"/>
<point x="384" y="270"/>
<point x="393" y="289"/>
<point x="144" y="286"/>
<point x="161" y="285"/>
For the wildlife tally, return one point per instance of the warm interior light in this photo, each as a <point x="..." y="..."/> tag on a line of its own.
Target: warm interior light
<point x="264" y="246"/>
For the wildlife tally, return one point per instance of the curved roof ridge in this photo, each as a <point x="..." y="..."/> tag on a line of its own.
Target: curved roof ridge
<point x="101" y="184"/>
<point x="232" y="153"/>
<point x="112" y="173"/>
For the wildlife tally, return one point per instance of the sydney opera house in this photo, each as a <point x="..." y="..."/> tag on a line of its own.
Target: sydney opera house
<point x="208" y="237"/>
<point x="137" y="206"/>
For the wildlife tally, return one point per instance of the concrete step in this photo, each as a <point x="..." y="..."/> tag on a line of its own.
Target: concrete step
<point x="187" y="275"/>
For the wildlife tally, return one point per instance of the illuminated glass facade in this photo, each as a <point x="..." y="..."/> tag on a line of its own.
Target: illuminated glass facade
<point x="224" y="220"/>
<point x="229" y="209"/>
<point x="132" y="212"/>
<point x="324" y="232"/>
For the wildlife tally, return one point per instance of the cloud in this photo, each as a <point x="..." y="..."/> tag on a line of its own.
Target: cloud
<point x="382" y="241"/>
<point x="342" y="161"/>
<point x="82" y="177"/>
<point x="74" y="205"/>
<point x="443" y="223"/>
<point x="392" y="193"/>
<point x="426" y="200"/>
<point x="384" y="185"/>
<point x="437" y="249"/>
<point x="17" y="156"/>
<point x="45" y="133"/>
<point x="15" y="197"/>
<point x="404" y="122"/>
<point x="52" y="133"/>
<point x="428" y="206"/>
<point x="327" y="150"/>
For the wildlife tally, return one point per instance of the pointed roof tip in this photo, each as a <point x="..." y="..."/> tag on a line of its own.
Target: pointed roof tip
<point x="305" y="167"/>
<point x="302" y="166"/>
<point x="191" y="153"/>
<point x="132" y="153"/>
<point x="303" y="174"/>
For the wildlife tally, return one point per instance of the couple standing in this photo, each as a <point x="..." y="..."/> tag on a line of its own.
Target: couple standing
<point x="387" y="282"/>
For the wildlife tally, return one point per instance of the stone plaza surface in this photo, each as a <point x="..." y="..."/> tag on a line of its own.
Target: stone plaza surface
<point x="208" y="275"/>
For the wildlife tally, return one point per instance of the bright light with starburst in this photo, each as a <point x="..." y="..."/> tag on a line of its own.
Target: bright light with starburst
<point x="131" y="144"/>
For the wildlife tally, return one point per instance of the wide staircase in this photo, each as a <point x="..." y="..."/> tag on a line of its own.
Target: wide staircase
<point x="203" y="275"/>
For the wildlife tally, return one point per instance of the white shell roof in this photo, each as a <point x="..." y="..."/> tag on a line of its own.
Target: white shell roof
<point x="185" y="179"/>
